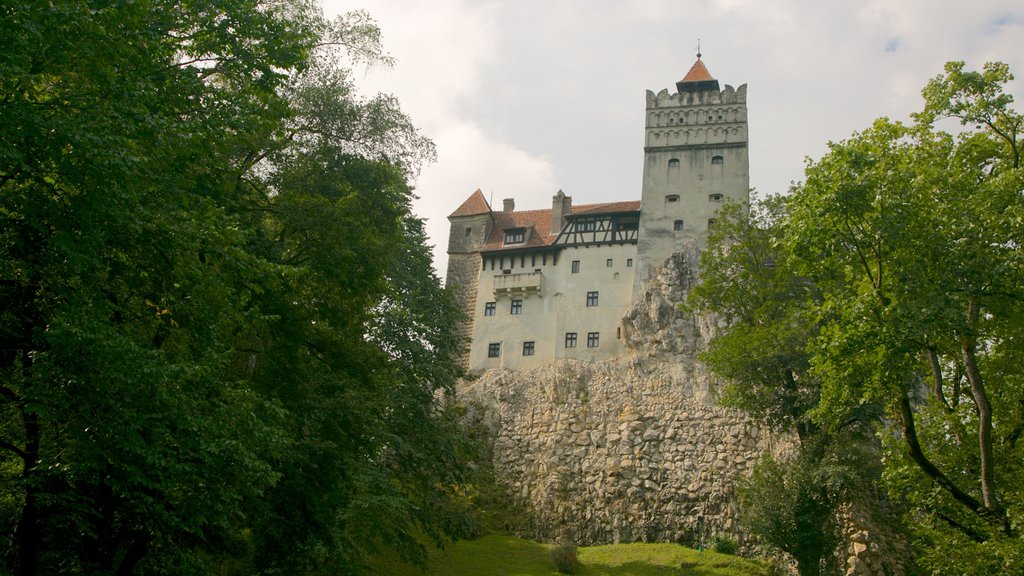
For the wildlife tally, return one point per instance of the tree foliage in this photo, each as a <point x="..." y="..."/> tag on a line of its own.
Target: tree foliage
<point x="220" y="332"/>
<point x="910" y="237"/>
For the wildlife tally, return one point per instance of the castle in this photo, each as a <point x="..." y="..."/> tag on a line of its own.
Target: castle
<point x="542" y="285"/>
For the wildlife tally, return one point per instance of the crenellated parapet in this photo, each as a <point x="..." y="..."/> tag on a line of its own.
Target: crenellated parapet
<point x="729" y="95"/>
<point x="696" y="118"/>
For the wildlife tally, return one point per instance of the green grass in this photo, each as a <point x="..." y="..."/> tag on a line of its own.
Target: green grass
<point x="508" y="556"/>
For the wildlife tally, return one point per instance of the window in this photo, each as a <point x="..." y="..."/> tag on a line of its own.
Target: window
<point x="672" y="198"/>
<point x="517" y="307"/>
<point x="570" y="339"/>
<point x="489" y="308"/>
<point x="468" y="232"/>
<point x="711" y="224"/>
<point x="587" y="226"/>
<point x="677" y="225"/>
<point x="717" y="160"/>
<point x="715" y="197"/>
<point x="593" y="339"/>
<point x="591" y="298"/>
<point x="494" y="350"/>
<point x="629" y="262"/>
<point x="575" y="266"/>
<point x="515" y="236"/>
<point x="527" y="348"/>
<point x="673" y="163"/>
<point x="608" y="263"/>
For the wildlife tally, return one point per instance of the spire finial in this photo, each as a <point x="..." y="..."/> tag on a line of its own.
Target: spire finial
<point x="698" y="48"/>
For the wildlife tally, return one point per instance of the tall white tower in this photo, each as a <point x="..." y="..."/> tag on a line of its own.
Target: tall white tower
<point x="695" y="158"/>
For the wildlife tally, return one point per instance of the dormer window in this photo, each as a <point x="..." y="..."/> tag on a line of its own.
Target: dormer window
<point x="517" y="236"/>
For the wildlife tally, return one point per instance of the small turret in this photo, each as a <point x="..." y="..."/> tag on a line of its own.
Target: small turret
<point x="698" y="79"/>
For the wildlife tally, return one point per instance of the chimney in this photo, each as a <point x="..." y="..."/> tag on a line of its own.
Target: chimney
<point x="561" y="206"/>
<point x="510" y="204"/>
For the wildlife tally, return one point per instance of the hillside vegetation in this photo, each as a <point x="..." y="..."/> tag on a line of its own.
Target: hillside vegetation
<point x="508" y="556"/>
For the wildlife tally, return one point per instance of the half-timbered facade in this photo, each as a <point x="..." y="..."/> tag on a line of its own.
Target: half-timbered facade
<point x="539" y="285"/>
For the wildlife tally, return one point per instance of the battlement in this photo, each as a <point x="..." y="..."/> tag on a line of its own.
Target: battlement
<point x="665" y="99"/>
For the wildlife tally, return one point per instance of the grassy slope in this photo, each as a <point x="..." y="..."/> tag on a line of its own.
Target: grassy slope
<point x="507" y="556"/>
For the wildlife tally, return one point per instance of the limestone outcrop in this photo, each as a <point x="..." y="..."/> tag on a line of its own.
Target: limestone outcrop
<point x="636" y="449"/>
<point x="630" y="449"/>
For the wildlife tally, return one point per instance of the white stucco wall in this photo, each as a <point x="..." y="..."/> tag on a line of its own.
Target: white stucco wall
<point x="560" y="307"/>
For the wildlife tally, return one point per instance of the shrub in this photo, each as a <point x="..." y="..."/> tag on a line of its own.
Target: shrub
<point x="724" y="545"/>
<point x="565" y="559"/>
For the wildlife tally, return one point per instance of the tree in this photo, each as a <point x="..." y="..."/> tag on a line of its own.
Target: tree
<point x="919" y="232"/>
<point x="218" y="316"/>
<point x="910" y="238"/>
<point x="749" y="282"/>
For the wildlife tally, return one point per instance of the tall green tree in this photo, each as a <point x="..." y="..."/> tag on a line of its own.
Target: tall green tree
<point x="919" y="230"/>
<point x="220" y="334"/>
<point x="763" y="306"/>
<point x="910" y="237"/>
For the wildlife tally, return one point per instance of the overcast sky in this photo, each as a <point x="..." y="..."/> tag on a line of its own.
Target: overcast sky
<point x="526" y="97"/>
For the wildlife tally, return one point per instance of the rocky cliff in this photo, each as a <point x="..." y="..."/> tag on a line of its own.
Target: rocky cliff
<point x="636" y="448"/>
<point x="632" y="449"/>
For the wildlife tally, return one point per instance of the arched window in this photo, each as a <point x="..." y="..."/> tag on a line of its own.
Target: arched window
<point x="717" y="160"/>
<point x="672" y="198"/>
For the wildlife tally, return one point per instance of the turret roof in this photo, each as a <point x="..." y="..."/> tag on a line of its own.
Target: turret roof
<point x="698" y="72"/>
<point x="697" y="79"/>
<point x="474" y="205"/>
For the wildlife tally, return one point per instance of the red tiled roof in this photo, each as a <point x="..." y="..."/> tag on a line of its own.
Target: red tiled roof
<point x="698" y="73"/>
<point x="538" y="224"/>
<point x="475" y="204"/>
<point x="607" y="208"/>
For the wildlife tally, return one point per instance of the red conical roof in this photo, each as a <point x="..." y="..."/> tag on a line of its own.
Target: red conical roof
<point x="698" y="72"/>
<point x="475" y="204"/>
<point x="698" y="79"/>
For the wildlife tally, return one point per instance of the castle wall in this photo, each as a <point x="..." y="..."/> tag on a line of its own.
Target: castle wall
<point x="695" y="159"/>
<point x="558" y="307"/>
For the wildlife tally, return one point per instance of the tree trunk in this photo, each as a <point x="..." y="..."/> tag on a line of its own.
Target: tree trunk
<point x="28" y="525"/>
<point x="988" y="484"/>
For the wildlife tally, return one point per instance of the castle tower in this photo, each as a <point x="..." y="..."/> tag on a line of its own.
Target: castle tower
<point x="695" y="158"/>
<point x="470" y="226"/>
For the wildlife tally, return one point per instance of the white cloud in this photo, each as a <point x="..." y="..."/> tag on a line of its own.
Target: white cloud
<point x="526" y="97"/>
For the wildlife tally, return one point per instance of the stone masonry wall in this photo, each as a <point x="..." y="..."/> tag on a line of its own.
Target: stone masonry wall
<point x="463" y="278"/>
<point x="619" y="451"/>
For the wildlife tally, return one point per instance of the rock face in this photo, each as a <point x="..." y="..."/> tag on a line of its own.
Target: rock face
<point x="635" y="449"/>
<point x="618" y="451"/>
<point x="631" y="449"/>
